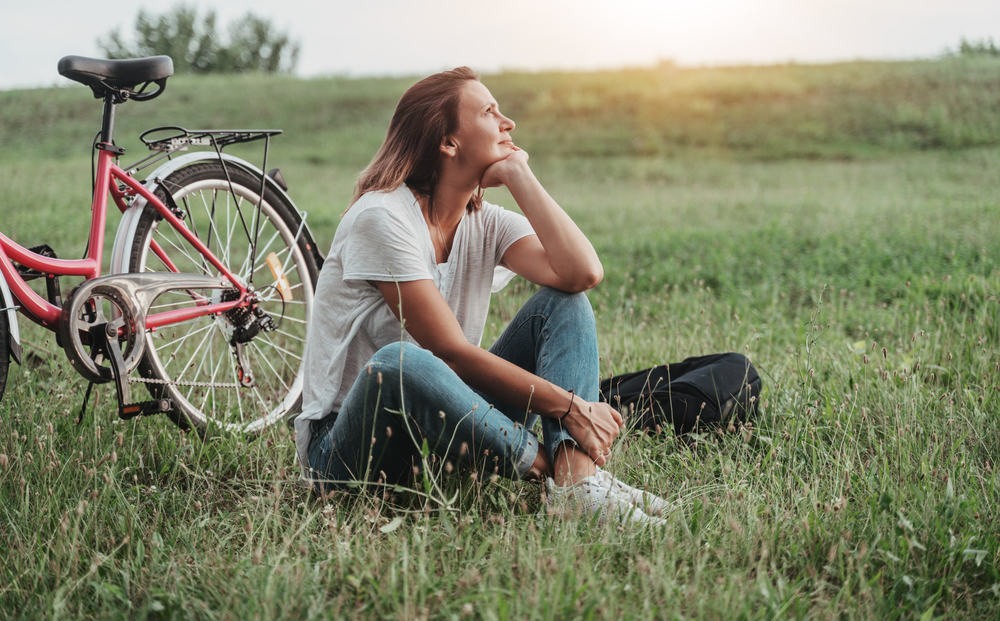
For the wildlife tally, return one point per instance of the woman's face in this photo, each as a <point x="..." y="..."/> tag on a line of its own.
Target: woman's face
<point x="483" y="135"/>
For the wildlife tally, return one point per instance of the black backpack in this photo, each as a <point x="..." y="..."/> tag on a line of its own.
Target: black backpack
<point x="699" y="394"/>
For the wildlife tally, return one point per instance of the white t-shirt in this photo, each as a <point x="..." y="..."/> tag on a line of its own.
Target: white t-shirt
<point x="384" y="237"/>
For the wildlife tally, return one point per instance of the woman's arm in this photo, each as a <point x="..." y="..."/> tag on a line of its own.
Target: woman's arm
<point x="559" y="255"/>
<point x="430" y="321"/>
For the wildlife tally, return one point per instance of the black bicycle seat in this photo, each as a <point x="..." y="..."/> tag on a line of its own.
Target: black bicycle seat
<point x="124" y="74"/>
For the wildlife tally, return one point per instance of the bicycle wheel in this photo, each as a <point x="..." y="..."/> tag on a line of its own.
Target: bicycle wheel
<point x="193" y="362"/>
<point x="4" y="349"/>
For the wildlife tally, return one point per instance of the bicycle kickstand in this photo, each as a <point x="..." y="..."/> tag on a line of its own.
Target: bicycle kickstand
<point x="105" y="340"/>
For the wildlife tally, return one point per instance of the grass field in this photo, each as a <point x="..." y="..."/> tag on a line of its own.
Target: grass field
<point x="838" y="224"/>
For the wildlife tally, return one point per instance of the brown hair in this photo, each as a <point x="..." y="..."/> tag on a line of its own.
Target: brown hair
<point x="411" y="153"/>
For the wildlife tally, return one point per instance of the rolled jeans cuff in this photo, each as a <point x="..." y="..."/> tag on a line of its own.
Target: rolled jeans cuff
<point x="555" y="434"/>
<point x="527" y="457"/>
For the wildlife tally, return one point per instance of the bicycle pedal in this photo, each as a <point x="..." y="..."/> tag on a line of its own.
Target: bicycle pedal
<point x="145" y="408"/>
<point x="44" y="250"/>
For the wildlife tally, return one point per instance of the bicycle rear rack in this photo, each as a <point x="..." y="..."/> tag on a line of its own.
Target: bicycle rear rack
<point x="180" y="139"/>
<point x="202" y="137"/>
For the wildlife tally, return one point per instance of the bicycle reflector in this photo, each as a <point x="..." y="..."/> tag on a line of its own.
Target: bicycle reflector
<point x="280" y="280"/>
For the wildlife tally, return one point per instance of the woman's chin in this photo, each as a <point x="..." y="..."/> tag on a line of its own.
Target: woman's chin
<point x="502" y="153"/>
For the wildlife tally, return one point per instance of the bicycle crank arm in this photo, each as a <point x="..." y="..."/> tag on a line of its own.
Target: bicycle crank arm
<point x="104" y="341"/>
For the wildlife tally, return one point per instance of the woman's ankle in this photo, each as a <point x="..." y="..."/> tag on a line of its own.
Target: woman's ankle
<point x="572" y="465"/>
<point x="540" y="468"/>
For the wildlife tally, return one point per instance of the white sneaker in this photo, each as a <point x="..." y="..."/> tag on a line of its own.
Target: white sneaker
<point x="598" y="496"/>
<point x="649" y="503"/>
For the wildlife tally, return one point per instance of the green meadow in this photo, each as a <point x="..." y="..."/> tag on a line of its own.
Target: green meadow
<point x="838" y="224"/>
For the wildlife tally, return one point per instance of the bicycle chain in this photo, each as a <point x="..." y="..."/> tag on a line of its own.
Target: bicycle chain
<point x="149" y="380"/>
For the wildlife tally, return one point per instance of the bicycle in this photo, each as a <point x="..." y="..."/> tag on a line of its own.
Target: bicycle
<point x="180" y="311"/>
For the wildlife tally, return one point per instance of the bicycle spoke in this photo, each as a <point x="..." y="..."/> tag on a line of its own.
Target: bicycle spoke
<point x="180" y="250"/>
<point x="239" y="209"/>
<point x="262" y="252"/>
<point x="190" y="362"/>
<point x="259" y="398"/>
<point x="181" y="242"/>
<point x="274" y="295"/>
<point x="301" y="339"/>
<point x="288" y="257"/>
<point x="272" y="344"/>
<point x="194" y="229"/>
<point x="239" y="403"/>
<point x="231" y="227"/>
<point x="211" y="389"/>
<point x="284" y="361"/>
<point x="187" y="209"/>
<point x="212" y="228"/>
<point x="277" y="375"/>
<point x="177" y="344"/>
<point x="284" y="269"/>
<point x="201" y="365"/>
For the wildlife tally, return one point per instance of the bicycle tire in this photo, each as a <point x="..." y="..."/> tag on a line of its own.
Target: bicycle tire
<point x="202" y="192"/>
<point x="4" y="350"/>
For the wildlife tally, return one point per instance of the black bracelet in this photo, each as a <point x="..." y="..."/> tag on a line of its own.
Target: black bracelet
<point x="572" y="395"/>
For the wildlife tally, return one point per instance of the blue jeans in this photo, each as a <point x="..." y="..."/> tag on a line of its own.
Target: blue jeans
<point x="552" y="336"/>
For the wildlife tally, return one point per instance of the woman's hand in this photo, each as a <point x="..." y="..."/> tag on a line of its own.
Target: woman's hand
<point x="594" y="426"/>
<point x="499" y="173"/>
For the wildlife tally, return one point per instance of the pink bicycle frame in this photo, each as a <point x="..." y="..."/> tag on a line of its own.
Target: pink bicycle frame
<point x="48" y="315"/>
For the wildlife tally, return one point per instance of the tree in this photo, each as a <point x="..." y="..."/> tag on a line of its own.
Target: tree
<point x="253" y="44"/>
<point x="984" y="47"/>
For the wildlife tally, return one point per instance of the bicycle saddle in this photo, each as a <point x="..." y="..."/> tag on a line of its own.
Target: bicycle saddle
<point x="123" y="74"/>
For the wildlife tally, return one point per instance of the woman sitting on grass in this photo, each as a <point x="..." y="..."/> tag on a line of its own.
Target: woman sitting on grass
<point x="418" y="245"/>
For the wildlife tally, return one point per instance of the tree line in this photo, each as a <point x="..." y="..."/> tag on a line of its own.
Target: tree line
<point x="196" y="46"/>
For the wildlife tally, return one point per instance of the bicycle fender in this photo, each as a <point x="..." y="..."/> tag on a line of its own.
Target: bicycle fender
<point x="8" y="304"/>
<point x="130" y="219"/>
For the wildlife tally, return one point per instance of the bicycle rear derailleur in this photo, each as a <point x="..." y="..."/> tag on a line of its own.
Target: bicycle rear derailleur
<point x="242" y="324"/>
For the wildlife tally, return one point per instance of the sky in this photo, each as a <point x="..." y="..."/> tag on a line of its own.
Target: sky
<point x="417" y="37"/>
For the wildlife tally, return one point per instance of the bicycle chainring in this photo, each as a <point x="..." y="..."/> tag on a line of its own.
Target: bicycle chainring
<point x="102" y="305"/>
